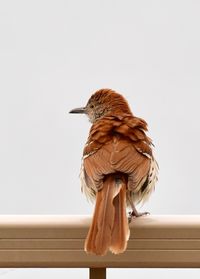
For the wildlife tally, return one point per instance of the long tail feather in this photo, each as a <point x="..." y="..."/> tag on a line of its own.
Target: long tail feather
<point x="109" y="228"/>
<point x="120" y="233"/>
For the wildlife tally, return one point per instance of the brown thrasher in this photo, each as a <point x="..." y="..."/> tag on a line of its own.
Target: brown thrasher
<point x="118" y="169"/>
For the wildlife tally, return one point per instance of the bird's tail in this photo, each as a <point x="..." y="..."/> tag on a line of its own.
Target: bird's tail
<point x="109" y="229"/>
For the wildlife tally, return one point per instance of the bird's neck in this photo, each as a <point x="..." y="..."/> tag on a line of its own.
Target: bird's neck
<point x="117" y="112"/>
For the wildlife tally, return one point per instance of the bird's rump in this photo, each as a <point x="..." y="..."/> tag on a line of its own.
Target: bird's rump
<point x="117" y="155"/>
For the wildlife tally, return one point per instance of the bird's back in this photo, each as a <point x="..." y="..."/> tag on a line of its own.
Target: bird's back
<point x="119" y="144"/>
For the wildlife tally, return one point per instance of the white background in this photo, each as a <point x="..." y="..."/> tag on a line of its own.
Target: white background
<point x="53" y="56"/>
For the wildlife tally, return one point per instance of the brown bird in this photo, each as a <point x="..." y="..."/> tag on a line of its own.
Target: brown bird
<point x="118" y="169"/>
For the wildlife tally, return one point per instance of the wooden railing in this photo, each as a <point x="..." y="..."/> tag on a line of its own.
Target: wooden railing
<point x="58" y="240"/>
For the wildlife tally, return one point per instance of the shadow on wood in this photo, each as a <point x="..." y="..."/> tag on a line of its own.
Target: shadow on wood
<point x="97" y="273"/>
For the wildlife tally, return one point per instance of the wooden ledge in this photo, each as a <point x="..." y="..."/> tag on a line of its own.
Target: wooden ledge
<point x="58" y="241"/>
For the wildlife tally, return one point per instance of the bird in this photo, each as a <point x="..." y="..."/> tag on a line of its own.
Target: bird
<point x="118" y="170"/>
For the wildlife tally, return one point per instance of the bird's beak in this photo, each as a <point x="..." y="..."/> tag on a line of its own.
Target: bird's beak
<point x="78" y="110"/>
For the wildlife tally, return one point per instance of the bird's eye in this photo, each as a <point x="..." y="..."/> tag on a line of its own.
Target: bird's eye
<point x="92" y="106"/>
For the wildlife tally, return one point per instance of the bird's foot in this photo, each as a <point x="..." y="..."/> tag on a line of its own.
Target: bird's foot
<point x="135" y="214"/>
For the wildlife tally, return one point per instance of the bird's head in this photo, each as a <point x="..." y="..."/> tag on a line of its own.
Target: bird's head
<point x="104" y="102"/>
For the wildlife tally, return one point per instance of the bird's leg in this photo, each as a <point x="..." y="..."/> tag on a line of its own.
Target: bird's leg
<point x="134" y="212"/>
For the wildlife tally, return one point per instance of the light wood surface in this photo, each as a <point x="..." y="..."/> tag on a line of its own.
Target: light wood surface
<point x="58" y="241"/>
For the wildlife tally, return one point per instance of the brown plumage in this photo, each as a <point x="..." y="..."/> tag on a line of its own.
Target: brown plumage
<point x="118" y="169"/>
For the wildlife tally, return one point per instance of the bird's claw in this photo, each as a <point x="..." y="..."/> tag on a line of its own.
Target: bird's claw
<point x="133" y="214"/>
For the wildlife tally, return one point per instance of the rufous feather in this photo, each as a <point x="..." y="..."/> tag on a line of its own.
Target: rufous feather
<point x="107" y="231"/>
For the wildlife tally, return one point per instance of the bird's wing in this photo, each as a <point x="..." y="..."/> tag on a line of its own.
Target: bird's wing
<point x="117" y="145"/>
<point x="117" y="155"/>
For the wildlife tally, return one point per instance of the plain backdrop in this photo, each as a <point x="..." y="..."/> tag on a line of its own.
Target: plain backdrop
<point x="53" y="56"/>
